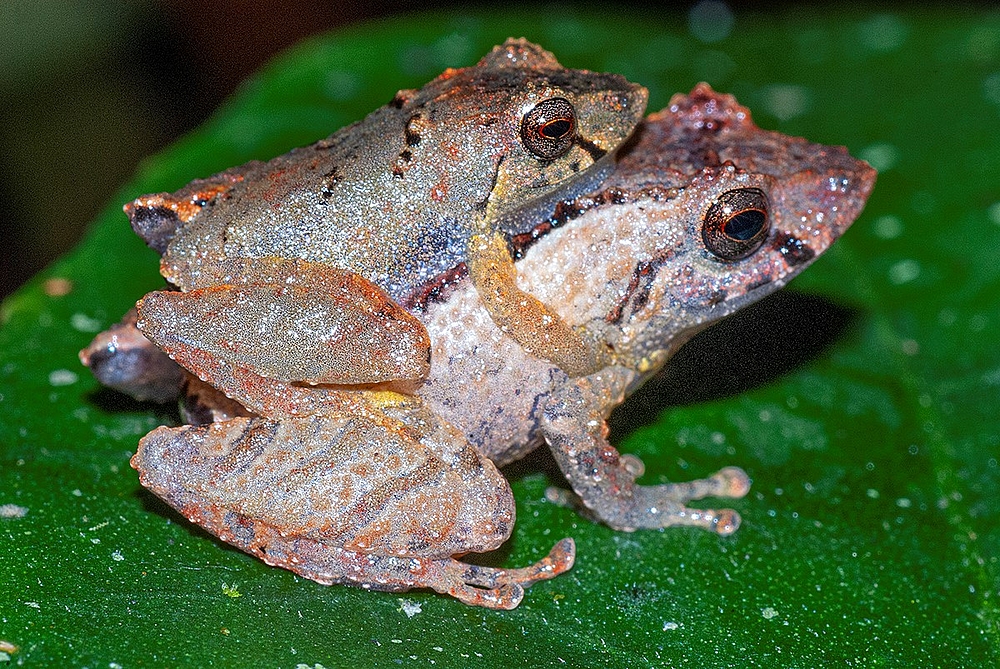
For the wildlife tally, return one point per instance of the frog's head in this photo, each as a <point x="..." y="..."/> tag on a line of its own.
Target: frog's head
<point x="531" y="124"/>
<point x="744" y="212"/>
<point x="704" y="214"/>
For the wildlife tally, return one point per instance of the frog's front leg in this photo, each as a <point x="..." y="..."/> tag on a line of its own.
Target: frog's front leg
<point x="290" y="321"/>
<point x="532" y="323"/>
<point x="369" y="500"/>
<point x="603" y="481"/>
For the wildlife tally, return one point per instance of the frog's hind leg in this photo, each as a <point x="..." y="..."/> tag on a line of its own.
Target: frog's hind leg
<point x="489" y="587"/>
<point x="503" y="588"/>
<point x="603" y="481"/>
<point x="664" y="505"/>
<point x="532" y="323"/>
<point x="362" y="498"/>
<point x="289" y="321"/>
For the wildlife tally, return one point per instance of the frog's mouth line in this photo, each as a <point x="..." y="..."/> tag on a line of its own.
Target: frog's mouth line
<point x="593" y="150"/>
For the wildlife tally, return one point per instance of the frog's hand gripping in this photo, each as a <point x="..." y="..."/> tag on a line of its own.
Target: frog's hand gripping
<point x="374" y="501"/>
<point x="289" y="321"/>
<point x="603" y="481"/>
<point x="533" y="324"/>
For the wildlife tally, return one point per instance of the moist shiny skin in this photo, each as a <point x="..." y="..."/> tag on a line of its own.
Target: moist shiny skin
<point x="396" y="196"/>
<point x="377" y="475"/>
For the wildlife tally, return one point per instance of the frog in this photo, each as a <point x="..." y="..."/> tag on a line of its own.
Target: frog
<point x="427" y="182"/>
<point x="386" y="485"/>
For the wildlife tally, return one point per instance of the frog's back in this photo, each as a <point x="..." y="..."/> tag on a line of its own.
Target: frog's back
<point x="342" y="201"/>
<point x="396" y="196"/>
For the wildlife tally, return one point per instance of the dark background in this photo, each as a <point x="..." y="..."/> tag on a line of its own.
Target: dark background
<point x="88" y="88"/>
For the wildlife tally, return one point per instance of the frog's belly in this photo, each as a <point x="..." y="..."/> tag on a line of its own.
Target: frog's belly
<point x="482" y="381"/>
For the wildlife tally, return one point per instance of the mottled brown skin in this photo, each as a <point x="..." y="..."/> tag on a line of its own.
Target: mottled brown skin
<point x="629" y="263"/>
<point x="704" y="214"/>
<point x="421" y="184"/>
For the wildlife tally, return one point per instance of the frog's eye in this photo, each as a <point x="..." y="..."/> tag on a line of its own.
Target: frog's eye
<point x="548" y="130"/>
<point x="736" y="224"/>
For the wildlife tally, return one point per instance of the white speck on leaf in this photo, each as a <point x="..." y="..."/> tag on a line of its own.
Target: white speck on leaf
<point x="62" y="377"/>
<point x="768" y="612"/>
<point x="786" y="101"/>
<point x="341" y="85"/>
<point x="883" y="32"/>
<point x="84" y="323"/>
<point x="904" y="271"/>
<point x="991" y="90"/>
<point x="993" y="211"/>
<point x="881" y="156"/>
<point x="889" y="226"/>
<point x="13" y="511"/>
<point x="409" y="607"/>
<point x="710" y="21"/>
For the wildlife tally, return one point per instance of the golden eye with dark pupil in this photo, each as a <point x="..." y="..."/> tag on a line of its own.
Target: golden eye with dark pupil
<point x="548" y="130"/>
<point x="736" y="224"/>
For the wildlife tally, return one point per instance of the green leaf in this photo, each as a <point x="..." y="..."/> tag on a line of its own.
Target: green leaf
<point x="863" y="403"/>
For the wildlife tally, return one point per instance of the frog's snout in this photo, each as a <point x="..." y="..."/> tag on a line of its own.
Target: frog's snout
<point x="155" y="223"/>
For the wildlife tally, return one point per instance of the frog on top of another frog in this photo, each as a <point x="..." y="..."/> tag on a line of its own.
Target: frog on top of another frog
<point x="423" y="184"/>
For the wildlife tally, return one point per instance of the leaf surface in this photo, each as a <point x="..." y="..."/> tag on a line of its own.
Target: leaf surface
<point x="863" y="401"/>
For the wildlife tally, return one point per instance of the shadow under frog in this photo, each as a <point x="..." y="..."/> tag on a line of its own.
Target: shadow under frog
<point x="747" y="350"/>
<point x="383" y="482"/>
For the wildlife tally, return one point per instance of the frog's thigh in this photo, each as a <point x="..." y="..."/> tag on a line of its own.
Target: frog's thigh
<point x="603" y="481"/>
<point x="533" y="324"/>
<point x="333" y="327"/>
<point x="123" y="359"/>
<point x="345" y="499"/>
